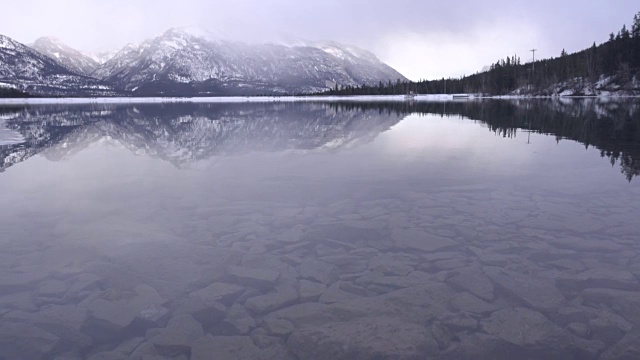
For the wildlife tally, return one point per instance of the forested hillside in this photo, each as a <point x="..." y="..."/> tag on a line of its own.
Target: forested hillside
<point x="12" y="93"/>
<point x="611" y="67"/>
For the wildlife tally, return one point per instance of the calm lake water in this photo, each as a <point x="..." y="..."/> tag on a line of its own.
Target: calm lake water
<point x="429" y="230"/>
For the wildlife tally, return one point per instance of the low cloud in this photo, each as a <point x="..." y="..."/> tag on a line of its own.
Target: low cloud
<point x="422" y="39"/>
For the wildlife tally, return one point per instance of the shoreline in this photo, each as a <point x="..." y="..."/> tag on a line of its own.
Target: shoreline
<point x="270" y="99"/>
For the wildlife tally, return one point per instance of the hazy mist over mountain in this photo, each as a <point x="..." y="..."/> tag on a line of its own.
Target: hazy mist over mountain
<point x="420" y="39"/>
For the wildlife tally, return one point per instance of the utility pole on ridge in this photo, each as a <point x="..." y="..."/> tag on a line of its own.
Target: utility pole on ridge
<point x="534" y="58"/>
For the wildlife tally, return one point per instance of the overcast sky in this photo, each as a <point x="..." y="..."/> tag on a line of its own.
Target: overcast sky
<point x="423" y="39"/>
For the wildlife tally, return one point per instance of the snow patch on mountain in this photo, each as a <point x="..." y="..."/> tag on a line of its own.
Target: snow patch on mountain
<point x="102" y="57"/>
<point x="72" y="59"/>
<point x="190" y="63"/>
<point x="28" y="70"/>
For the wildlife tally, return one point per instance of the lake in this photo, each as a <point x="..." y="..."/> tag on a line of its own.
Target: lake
<point x="474" y="229"/>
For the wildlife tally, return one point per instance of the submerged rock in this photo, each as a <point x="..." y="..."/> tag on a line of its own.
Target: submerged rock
<point x="304" y="314"/>
<point x="310" y="290"/>
<point x="417" y="304"/>
<point x="334" y="294"/>
<point x="53" y="288"/>
<point x="392" y="264"/>
<point x="469" y="303"/>
<point x="419" y="240"/>
<point x="123" y="317"/>
<point x="20" y="341"/>
<point x="628" y="348"/>
<point x="598" y="278"/>
<point x="579" y="330"/>
<point x="259" y="278"/>
<point x="585" y="244"/>
<point x="608" y="327"/>
<point x="482" y="346"/>
<point x="222" y="292"/>
<point x="318" y="271"/>
<point x="624" y="303"/>
<point x="278" y="327"/>
<point x="237" y="322"/>
<point x="475" y="282"/>
<point x="234" y="348"/>
<point x="207" y="312"/>
<point x="366" y="338"/>
<point x="272" y="301"/>
<point x="123" y="351"/>
<point x="530" y="330"/>
<point x="178" y="337"/>
<point x="63" y="321"/>
<point x="538" y="293"/>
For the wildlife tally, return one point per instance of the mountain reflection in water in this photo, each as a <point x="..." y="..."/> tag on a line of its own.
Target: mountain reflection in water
<point x="183" y="133"/>
<point x="321" y="230"/>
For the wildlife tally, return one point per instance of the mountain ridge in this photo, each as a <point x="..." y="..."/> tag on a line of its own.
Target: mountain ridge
<point x="27" y="70"/>
<point x="65" y="55"/>
<point x="181" y="63"/>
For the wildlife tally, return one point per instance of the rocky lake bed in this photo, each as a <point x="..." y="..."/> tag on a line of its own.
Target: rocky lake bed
<point x="347" y="280"/>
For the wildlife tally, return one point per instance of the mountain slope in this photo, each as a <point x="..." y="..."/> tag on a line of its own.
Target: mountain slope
<point x="66" y="56"/>
<point x="27" y="70"/>
<point x="181" y="63"/>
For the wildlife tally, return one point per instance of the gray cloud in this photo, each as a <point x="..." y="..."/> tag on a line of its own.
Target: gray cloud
<point x="423" y="39"/>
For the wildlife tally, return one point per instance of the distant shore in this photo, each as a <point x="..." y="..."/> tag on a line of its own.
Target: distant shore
<point x="260" y="99"/>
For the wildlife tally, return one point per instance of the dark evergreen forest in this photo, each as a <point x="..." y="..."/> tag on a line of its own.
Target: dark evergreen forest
<point x="12" y="93"/>
<point x="618" y="58"/>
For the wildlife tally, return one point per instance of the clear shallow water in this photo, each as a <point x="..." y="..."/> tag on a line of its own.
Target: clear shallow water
<point x="492" y="230"/>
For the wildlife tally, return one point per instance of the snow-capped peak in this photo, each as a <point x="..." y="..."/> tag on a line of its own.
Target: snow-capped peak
<point x="102" y="57"/>
<point x="189" y="61"/>
<point x="198" y="32"/>
<point x="42" y="72"/>
<point x="7" y="43"/>
<point x="65" y="55"/>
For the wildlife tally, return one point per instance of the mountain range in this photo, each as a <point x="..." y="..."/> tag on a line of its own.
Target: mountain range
<point x="183" y="63"/>
<point x="30" y="71"/>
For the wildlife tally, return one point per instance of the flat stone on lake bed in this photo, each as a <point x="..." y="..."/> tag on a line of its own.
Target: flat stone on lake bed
<point x="474" y="281"/>
<point x="177" y="338"/>
<point x="318" y="271"/>
<point x="234" y="348"/>
<point x="366" y="338"/>
<point x="23" y="341"/>
<point x="525" y="327"/>
<point x="272" y="301"/>
<point x="310" y="290"/>
<point x="469" y="303"/>
<point x="278" y="327"/>
<point x="420" y="240"/>
<point x="109" y="319"/>
<point x="583" y="244"/>
<point x="539" y="293"/>
<point x="219" y="292"/>
<point x="624" y="303"/>
<point x="260" y="278"/>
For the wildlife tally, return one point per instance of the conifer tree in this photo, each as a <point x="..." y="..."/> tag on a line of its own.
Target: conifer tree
<point x="624" y="33"/>
<point x="635" y="28"/>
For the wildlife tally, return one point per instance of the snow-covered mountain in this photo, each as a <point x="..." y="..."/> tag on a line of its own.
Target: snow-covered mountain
<point x="66" y="56"/>
<point x="183" y="63"/>
<point x="187" y="63"/>
<point x="185" y="133"/>
<point x="102" y="57"/>
<point x="25" y="69"/>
